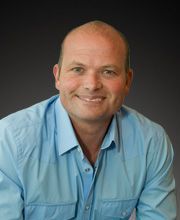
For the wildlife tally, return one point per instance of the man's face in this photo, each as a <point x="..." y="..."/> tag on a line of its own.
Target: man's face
<point x="92" y="80"/>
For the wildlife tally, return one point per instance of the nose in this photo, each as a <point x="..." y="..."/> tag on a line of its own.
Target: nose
<point x="92" y="82"/>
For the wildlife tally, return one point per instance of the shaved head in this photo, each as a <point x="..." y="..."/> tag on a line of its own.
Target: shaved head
<point x="98" y="28"/>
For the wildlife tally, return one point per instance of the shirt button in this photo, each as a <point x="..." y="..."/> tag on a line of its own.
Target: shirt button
<point x="124" y="213"/>
<point x="87" y="207"/>
<point x="87" y="170"/>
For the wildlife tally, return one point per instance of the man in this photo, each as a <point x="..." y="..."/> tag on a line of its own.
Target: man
<point x="82" y="154"/>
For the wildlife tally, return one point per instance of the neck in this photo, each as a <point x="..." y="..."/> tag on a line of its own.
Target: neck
<point x="90" y="137"/>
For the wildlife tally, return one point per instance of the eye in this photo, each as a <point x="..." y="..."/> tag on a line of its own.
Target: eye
<point x="77" y="69"/>
<point x="109" y="73"/>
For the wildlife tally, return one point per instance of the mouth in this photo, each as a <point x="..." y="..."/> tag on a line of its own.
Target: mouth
<point x="91" y="99"/>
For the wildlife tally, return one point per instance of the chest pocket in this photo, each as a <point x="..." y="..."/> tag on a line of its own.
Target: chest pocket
<point x="117" y="209"/>
<point x="63" y="211"/>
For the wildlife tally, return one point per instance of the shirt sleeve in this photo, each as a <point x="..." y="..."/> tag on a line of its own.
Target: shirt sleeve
<point x="11" y="199"/>
<point x="157" y="199"/>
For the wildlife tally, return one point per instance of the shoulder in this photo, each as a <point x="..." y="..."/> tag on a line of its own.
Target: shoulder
<point x="27" y="126"/>
<point x="30" y="116"/>
<point x="136" y="120"/>
<point x="27" y="130"/>
<point x="144" y="133"/>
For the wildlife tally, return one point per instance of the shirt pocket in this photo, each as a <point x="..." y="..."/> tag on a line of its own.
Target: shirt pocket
<point x="117" y="209"/>
<point x="63" y="211"/>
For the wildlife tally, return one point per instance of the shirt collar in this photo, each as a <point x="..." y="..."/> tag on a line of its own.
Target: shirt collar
<point x="112" y="135"/>
<point x="65" y="136"/>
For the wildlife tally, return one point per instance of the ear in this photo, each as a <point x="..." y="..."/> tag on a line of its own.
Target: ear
<point x="56" y="72"/>
<point x="129" y="79"/>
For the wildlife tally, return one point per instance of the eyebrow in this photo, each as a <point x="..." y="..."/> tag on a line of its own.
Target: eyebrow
<point x="76" y="63"/>
<point x="112" y="66"/>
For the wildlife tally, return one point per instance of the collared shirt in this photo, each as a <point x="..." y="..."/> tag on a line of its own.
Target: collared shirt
<point x="44" y="174"/>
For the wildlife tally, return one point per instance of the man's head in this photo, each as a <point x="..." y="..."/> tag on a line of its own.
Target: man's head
<point x="93" y="74"/>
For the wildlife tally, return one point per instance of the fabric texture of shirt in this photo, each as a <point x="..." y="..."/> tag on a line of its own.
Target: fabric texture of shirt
<point x="44" y="174"/>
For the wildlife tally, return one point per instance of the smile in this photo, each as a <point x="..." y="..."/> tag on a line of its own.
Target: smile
<point x="91" y="99"/>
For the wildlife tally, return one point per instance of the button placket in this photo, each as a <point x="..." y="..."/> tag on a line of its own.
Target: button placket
<point x="87" y="207"/>
<point x="87" y="170"/>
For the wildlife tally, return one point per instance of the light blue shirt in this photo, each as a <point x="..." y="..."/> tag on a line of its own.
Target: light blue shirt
<point x="44" y="174"/>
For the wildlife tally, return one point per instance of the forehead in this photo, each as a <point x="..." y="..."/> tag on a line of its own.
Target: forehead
<point x="94" y="42"/>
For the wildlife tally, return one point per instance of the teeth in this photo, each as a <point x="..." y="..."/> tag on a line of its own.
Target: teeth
<point x="91" y="99"/>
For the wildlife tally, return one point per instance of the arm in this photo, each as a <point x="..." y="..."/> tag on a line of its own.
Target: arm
<point x="11" y="201"/>
<point x="158" y="200"/>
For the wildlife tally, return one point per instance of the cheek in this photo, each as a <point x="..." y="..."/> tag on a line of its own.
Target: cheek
<point x="68" y="84"/>
<point x="117" y="89"/>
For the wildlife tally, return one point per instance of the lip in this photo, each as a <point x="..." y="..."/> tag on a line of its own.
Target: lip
<point x="91" y="99"/>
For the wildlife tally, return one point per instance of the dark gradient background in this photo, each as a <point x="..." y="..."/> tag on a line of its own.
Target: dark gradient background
<point x="30" y="36"/>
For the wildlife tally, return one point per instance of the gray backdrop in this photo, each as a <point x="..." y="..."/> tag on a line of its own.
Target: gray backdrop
<point x="29" y="47"/>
